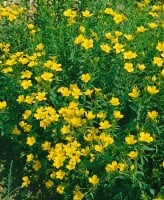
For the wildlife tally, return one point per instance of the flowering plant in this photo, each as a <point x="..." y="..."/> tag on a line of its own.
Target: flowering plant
<point x="81" y="97"/>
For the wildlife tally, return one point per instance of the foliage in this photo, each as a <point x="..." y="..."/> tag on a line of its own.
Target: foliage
<point x="81" y="97"/>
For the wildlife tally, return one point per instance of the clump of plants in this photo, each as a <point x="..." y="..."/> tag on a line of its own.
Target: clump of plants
<point x="81" y="97"/>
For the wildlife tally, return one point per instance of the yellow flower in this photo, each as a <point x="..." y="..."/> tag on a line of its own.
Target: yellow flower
<point x="158" y="198"/>
<point x="26" y="84"/>
<point x="53" y="175"/>
<point x="7" y="70"/>
<point x="51" y="64"/>
<point x="145" y="137"/>
<point x="46" y="146"/>
<point x="152" y="25"/>
<point x="40" y="47"/>
<point x="23" y="60"/>
<point x="121" y="166"/>
<point x="118" y="33"/>
<point x="75" y="91"/>
<point x="37" y="165"/>
<point x="162" y="72"/>
<point x="79" y="39"/>
<point x="141" y="29"/>
<point x="27" y="127"/>
<point x="64" y="91"/>
<point x="152" y="90"/>
<point x="32" y="32"/>
<point x="154" y="78"/>
<point x="58" y="161"/>
<point x="87" y="43"/>
<point x="26" y="74"/>
<point x="16" y="131"/>
<point x="71" y="20"/>
<point x="153" y="14"/>
<point x="82" y="29"/>
<point x="30" y="26"/>
<point x="129" y="67"/>
<point x="105" y="47"/>
<point x="98" y="148"/>
<point x="47" y="76"/>
<point x="60" y="189"/>
<point x="3" y="104"/>
<point x="10" y="62"/>
<point x="49" y="183"/>
<point x="108" y="35"/>
<point x="106" y="139"/>
<point x="69" y="13"/>
<point x="133" y="154"/>
<point x="60" y="174"/>
<point x="129" y="37"/>
<point x="85" y="78"/>
<point x="160" y="46"/>
<point x="118" y="18"/>
<point x="32" y="63"/>
<point x="129" y="55"/>
<point x="146" y="2"/>
<point x="109" y="11"/>
<point x="29" y="99"/>
<point x="26" y="114"/>
<point x="135" y="93"/>
<point x="31" y="141"/>
<point x="77" y="195"/>
<point x="104" y="125"/>
<point x="26" y="181"/>
<point x="132" y="167"/>
<point x="111" y="167"/>
<point x="152" y="115"/>
<point x="86" y="14"/>
<point x="65" y="129"/>
<point x="156" y="8"/>
<point x="41" y="96"/>
<point x="141" y="67"/>
<point x="158" y="61"/>
<point x="30" y="157"/>
<point x="117" y="114"/>
<point x="114" y="101"/>
<point x="88" y="92"/>
<point x="101" y="115"/>
<point x="89" y="115"/>
<point x="118" y="47"/>
<point x="94" y="180"/>
<point x="130" y="140"/>
<point x="114" y="39"/>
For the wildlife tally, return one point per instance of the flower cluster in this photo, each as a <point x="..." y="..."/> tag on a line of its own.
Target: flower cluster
<point x="10" y="12"/>
<point x="81" y="97"/>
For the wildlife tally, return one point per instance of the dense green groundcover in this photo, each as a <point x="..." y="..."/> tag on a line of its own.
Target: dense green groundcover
<point x="81" y="99"/>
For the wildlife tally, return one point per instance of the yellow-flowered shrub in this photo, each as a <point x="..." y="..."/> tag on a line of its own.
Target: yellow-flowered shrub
<point x="81" y="97"/>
